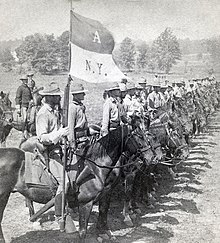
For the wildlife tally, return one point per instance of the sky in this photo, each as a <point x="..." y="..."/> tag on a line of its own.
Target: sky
<point x="137" y="19"/>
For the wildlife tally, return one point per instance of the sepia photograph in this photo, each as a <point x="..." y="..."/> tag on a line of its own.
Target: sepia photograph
<point x="109" y="121"/>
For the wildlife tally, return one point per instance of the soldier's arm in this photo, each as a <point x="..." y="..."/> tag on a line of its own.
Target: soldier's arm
<point x="18" y="96"/>
<point x="105" y="117"/>
<point x="71" y="124"/>
<point x="42" y="128"/>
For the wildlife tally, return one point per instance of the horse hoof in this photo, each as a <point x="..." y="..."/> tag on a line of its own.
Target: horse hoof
<point x="128" y="221"/>
<point x="99" y="239"/>
<point x="137" y="210"/>
<point x="150" y="206"/>
<point x="133" y="216"/>
<point x="104" y="236"/>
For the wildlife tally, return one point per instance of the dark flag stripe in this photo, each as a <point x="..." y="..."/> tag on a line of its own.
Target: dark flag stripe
<point x="90" y="35"/>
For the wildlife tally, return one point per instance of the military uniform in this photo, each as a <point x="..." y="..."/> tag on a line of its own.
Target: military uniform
<point x="23" y="100"/>
<point x="49" y="133"/>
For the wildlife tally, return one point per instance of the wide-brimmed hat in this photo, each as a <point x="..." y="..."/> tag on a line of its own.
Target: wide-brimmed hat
<point x="51" y="89"/>
<point x="114" y="86"/>
<point x="77" y="89"/>
<point x="30" y="74"/>
<point x="138" y="86"/>
<point x="142" y="81"/>
<point x="130" y="86"/>
<point x="23" y="77"/>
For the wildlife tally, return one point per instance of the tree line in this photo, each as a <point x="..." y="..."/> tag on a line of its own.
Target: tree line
<point x="48" y="54"/>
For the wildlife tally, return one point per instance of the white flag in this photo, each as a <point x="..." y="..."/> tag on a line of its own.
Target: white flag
<point x="91" y="51"/>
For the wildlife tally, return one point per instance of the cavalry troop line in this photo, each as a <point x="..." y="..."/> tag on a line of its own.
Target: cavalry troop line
<point x="143" y="127"/>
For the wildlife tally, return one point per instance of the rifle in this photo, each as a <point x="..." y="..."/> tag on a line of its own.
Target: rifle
<point x="65" y="157"/>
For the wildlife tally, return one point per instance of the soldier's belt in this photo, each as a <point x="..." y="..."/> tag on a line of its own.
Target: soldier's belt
<point x="80" y="134"/>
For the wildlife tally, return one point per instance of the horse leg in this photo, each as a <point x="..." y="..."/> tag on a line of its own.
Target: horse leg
<point x="3" y="200"/>
<point x="102" y="225"/>
<point x="128" y="191"/>
<point x="84" y="214"/>
<point x="29" y="204"/>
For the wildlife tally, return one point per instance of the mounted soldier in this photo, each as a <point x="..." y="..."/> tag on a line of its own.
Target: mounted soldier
<point x="49" y="133"/>
<point x="78" y="125"/>
<point x="111" y="115"/>
<point x="23" y="100"/>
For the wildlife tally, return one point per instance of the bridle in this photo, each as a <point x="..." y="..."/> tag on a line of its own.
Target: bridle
<point x="134" y="156"/>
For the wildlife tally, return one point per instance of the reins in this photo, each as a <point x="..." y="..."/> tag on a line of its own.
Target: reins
<point x="141" y="150"/>
<point x="108" y="166"/>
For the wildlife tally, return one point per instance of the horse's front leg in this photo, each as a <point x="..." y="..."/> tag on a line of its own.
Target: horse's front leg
<point x="128" y="184"/>
<point x="84" y="214"/>
<point x="3" y="201"/>
<point x="104" y="203"/>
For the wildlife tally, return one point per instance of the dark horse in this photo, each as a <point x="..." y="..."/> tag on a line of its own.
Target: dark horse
<point x="103" y="158"/>
<point x="6" y="117"/>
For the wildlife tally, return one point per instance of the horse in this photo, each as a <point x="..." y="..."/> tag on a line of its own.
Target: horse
<point x="6" y="117"/>
<point x="13" y="119"/>
<point x="99" y="168"/>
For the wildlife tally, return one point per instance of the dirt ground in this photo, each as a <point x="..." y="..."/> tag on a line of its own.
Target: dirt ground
<point x="186" y="209"/>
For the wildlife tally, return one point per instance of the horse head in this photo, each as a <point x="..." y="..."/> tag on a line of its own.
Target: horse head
<point x="138" y="143"/>
<point x="177" y="145"/>
<point x="156" y="146"/>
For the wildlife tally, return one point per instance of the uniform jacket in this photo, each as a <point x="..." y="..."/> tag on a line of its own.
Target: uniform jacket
<point x="23" y="96"/>
<point x="77" y="121"/>
<point x="110" y="117"/>
<point x="154" y="100"/>
<point x="47" y="125"/>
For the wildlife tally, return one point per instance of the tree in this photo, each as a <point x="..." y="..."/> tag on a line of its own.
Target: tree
<point x="63" y="50"/>
<point x="167" y="50"/>
<point x="127" y="54"/>
<point x="143" y="55"/>
<point x="6" y="58"/>
<point x="213" y="46"/>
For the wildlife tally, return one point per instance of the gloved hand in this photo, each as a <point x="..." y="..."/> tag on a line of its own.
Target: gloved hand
<point x="72" y="146"/>
<point x="63" y="131"/>
<point x="18" y="109"/>
<point x="103" y="133"/>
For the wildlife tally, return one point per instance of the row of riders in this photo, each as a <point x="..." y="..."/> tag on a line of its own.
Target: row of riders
<point x="143" y="126"/>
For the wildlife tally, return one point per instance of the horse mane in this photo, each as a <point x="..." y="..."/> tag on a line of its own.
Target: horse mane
<point x="103" y="146"/>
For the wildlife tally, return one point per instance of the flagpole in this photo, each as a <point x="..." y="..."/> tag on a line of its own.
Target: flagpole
<point x="65" y="124"/>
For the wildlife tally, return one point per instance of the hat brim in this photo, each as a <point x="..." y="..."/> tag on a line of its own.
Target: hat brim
<point x="112" y="89"/>
<point x="79" y="92"/>
<point x="50" y="93"/>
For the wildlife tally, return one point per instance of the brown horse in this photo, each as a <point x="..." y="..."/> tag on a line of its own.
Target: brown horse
<point x="103" y="159"/>
<point x="6" y="117"/>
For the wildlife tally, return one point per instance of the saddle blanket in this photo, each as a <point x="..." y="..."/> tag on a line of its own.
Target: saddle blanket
<point x="37" y="173"/>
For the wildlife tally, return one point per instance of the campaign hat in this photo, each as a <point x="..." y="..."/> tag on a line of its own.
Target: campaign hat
<point x="23" y="77"/>
<point x="51" y="89"/>
<point x="77" y="89"/>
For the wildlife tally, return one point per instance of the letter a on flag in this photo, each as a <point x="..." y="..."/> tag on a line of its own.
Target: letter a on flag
<point x="91" y="51"/>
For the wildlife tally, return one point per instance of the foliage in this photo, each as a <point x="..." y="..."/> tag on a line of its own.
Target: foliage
<point x="213" y="46"/>
<point x="5" y="55"/>
<point x="44" y="53"/>
<point x="167" y="50"/>
<point x="143" y="55"/>
<point x="127" y="54"/>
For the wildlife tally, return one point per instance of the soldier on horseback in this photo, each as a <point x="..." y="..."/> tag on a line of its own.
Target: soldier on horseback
<point x="78" y="125"/>
<point x="50" y="132"/>
<point x="111" y="116"/>
<point x="23" y="100"/>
